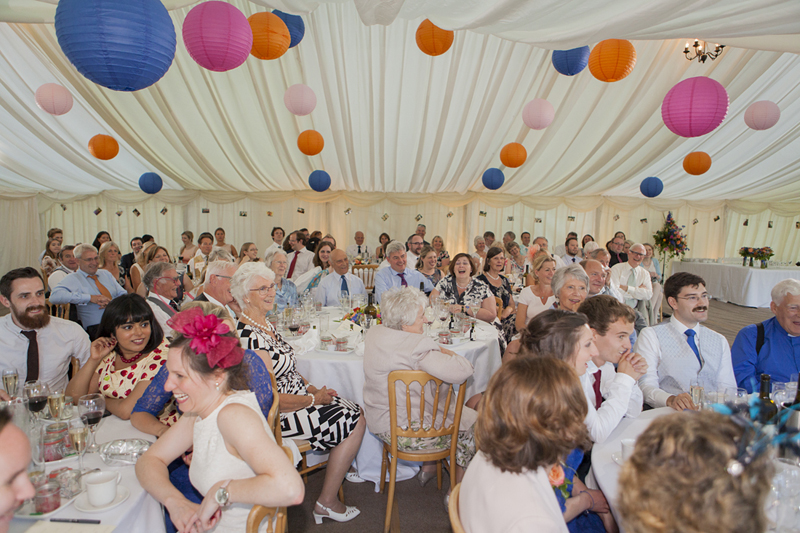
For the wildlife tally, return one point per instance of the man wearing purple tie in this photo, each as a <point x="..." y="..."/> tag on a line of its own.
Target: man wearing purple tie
<point x="398" y="275"/>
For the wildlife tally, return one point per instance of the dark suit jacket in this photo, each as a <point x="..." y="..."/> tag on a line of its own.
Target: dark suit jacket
<point x="617" y="258"/>
<point x="127" y="262"/>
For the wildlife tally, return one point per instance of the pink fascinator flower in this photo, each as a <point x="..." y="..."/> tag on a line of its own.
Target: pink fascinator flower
<point x="206" y="333"/>
<point x="533" y="249"/>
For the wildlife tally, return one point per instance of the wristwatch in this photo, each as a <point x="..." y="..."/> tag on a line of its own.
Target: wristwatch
<point x="222" y="495"/>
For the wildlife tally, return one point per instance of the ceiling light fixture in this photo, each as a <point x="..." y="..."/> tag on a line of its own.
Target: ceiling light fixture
<point x="702" y="52"/>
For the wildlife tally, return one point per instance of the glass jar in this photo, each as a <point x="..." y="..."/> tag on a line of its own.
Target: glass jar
<point x="445" y="338"/>
<point x="341" y="345"/>
<point x="48" y="498"/>
<point x="326" y="341"/>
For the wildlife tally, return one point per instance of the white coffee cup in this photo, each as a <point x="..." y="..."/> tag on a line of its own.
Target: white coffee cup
<point x="627" y="448"/>
<point x="101" y="487"/>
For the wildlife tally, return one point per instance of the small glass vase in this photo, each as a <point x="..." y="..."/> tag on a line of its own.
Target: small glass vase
<point x="764" y="263"/>
<point x="751" y="262"/>
<point x="744" y="261"/>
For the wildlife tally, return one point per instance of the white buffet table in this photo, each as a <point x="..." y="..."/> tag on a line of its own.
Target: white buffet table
<point x="140" y="512"/>
<point x="345" y="374"/>
<point x="736" y="284"/>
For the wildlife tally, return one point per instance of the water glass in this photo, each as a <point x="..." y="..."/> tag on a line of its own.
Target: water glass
<point x="324" y="325"/>
<point x="11" y="381"/>
<point x="344" y="301"/>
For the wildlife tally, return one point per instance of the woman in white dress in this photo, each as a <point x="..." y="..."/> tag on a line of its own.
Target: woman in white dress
<point x="539" y="296"/>
<point x="236" y="462"/>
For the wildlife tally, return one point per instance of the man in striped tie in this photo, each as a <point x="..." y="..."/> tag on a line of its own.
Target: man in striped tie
<point x="90" y="289"/>
<point x="398" y="275"/>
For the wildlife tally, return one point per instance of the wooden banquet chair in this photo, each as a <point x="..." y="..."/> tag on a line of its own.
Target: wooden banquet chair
<point x="499" y="303"/>
<point x="276" y="516"/>
<point x="407" y="377"/>
<point x="366" y="273"/>
<point x="452" y="508"/>
<point x="61" y="310"/>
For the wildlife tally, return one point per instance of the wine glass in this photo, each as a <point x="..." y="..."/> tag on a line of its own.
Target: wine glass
<point x="10" y="381"/>
<point x="92" y="406"/>
<point x="36" y="392"/>
<point x="428" y="317"/>
<point x="444" y="313"/>
<point x="294" y="321"/>
<point x="79" y="436"/>
<point x="56" y="402"/>
<point x="473" y="308"/>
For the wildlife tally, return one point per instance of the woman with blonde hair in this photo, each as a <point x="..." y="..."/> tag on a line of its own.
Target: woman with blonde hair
<point x="108" y="259"/>
<point x="426" y="264"/>
<point x="688" y="473"/>
<point x="442" y="255"/>
<point x="189" y="248"/>
<point x="529" y="422"/>
<point x="538" y="296"/>
<point x="479" y="255"/>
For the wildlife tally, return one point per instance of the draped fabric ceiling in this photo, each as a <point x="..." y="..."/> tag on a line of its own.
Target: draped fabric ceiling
<point x="408" y="128"/>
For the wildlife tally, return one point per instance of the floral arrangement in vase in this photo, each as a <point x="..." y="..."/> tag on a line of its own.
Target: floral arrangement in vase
<point x="669" y="241"/>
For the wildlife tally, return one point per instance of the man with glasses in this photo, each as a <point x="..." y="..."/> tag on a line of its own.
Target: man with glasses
<point x="615" y="250"/>
<point x="633" y="281"/>
<point x="162" y="281"/>
<point x="773" y="346"/>
<point x="90" y="289"/>
<point x="217" y="288"/>
<point x="681" y="352"/>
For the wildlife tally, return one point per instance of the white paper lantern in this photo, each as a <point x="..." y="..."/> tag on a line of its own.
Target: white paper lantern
<point x="54" y="99"/>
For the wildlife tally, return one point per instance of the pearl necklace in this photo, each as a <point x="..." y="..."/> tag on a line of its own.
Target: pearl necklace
<point x="255" y="324"/>
<point x="492" y="277"/>
<point x="464" y="287"/>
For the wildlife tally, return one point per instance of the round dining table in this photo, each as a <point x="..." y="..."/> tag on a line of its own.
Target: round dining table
<point x="344" y="372"/>
<point x="140" y="512"/>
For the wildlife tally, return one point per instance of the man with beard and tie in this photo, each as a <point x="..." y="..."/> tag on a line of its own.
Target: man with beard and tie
<point x="610" y="381"/>
<point x="38" y="346"/>
<point x="682" y="351"/>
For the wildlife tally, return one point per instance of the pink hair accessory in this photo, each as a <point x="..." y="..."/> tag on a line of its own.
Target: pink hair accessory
<point x="206" y="333"/>
<point x="533" y="249"/>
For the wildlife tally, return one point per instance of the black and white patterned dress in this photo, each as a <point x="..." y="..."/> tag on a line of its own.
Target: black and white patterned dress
<point x="324" y="426"/>
<point x="475" y="293"/>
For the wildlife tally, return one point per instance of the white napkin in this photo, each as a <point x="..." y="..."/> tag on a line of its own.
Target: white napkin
<point x="306" y="343"/>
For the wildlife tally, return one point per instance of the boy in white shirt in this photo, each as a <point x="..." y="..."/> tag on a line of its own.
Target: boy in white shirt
<point x="612" y="391"/>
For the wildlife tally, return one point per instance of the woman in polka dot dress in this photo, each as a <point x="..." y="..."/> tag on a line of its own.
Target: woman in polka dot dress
<point x="129" y="351"/>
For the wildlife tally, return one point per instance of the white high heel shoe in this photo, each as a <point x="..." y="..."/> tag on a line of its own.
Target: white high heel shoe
<point x="349" y="513"/>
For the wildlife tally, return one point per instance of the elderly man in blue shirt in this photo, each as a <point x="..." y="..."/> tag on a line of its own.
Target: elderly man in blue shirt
<point x="90" y="289"/>
<point x="773" y="346"/>
<point x="397" y="275"/>
<point x="338" y="281"/>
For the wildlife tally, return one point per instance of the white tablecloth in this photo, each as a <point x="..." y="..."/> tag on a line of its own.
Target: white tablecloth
<point x="345" y="374"/>
<point x="139" y="513"/>
<point x="736" y="284"/>
<point x="604" y="468"/>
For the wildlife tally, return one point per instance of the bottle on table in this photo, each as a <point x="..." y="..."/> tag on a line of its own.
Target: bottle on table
<point x="767" y="408"/>
<point x="525" y="277"/>
<point x="370" y="311"/>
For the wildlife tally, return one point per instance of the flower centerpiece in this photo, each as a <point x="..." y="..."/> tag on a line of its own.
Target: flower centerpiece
<point x="670" y="242"/>
<point x="748" y="252"/>
<point x="357" y="314"/>
<point x="763" y="255"/>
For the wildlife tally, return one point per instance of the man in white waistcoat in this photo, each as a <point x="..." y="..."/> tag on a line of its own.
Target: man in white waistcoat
<point x="682" y="351"/>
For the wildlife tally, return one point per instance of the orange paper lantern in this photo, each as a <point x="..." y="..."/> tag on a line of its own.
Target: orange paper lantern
<point x="103" y="147"/>
<point x="432" y="39"/>
<point x="612" y="59"/>
<point x="310" y="142"/>
<point x="271" y="37"/>
<point x="697" y="163"/>
<point x="513" y="155"/>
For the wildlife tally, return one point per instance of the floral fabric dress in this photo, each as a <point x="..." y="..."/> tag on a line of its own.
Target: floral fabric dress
<point x="324" y="426"/>
<point x="315" y="280"/>
<point x="504" y="292"/>
<point x="584" y="522"/>
<point x="118" y="384"/>
<point x="442" y="255"/>
<point x="475" y="293"/>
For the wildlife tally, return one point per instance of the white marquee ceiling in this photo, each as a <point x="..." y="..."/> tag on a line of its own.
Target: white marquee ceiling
<point x="396" y="120"/>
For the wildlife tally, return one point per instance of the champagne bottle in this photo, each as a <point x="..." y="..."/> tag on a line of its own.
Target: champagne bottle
<point x="370" y="310"/>
<point x="768" y="409"/>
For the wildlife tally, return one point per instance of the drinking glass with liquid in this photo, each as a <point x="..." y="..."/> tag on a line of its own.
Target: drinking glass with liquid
<point x="10" y="381"/>
<point x="697" y="392"/>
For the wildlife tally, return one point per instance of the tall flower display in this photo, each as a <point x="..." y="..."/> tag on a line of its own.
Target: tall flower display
<point x="670" y="242"/>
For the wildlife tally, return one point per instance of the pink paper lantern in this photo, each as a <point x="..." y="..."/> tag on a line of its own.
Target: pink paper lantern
<point x="538" y="114"/>
<point x="53" y="98"/>
<point x="300" y="99"/>
<point x="217" y="36"/>
<point x="762" y="115"/>
<point x="694" y="107"/>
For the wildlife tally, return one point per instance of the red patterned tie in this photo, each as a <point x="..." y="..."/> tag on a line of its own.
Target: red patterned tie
<point x="291" y="267"/>
<point x="598" y="397"/>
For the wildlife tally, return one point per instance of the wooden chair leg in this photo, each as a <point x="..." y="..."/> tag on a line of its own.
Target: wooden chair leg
<point x="383" y="469"/>
<point x="390" y="498"/>
<point x="439" y="474"/>
<point x="303" y="466"/>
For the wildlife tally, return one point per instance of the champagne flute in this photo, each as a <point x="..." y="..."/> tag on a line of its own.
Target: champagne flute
<point x="10" y="381"/>
<point x="92" y="406"/>
<point x="56" y="401"/>
<point x="79" y="436"/>
<point x="36" y="392"/>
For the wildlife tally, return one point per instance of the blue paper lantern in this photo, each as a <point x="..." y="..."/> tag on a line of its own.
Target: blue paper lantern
<point x="120" y="44"/>
<point x="571" y="62"/>
<point x="493" y="178"/>
<point x="651" y="187"/>
<point x="319" y="180"/>
<point x="150" y="182"/>
<point x="297" y="28"/>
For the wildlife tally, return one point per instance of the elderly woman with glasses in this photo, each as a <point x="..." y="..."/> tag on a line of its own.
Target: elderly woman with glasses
<point x="285" y="289"/>
<point x="570" y="287"/>
<point x="330" y="423"/>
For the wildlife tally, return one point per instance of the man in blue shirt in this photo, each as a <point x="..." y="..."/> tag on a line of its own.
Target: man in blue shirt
<point x="397" y="275"/>
<point x="90" y="289"/>
<point x="339" y="280"/>
<point x="776" y="350"/>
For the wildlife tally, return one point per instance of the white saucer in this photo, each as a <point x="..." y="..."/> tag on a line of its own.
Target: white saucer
<point x="616" y="456"/>
<point x="65" y="460"/>
<point x="82" y="503"/>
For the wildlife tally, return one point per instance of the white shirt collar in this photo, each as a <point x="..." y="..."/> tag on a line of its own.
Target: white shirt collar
<point x="678" y="325"/>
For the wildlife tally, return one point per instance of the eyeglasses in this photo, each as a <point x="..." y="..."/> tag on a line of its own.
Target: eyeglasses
<point x="263" y="291"/>
<point x="636" y="254"/>
<point x="694" y="298"/>
<point x="224" y="277"/>
<point x="173" y="280"/>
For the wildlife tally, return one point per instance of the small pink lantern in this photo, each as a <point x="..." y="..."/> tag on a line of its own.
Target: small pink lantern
<point x="762" y="115"/>
<point x="217" y="36"/>
<point x="54" y="99"/>
<point x="300" y="99"/>
<point x="538" y="114"/>
<point x="694" y="107"/>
